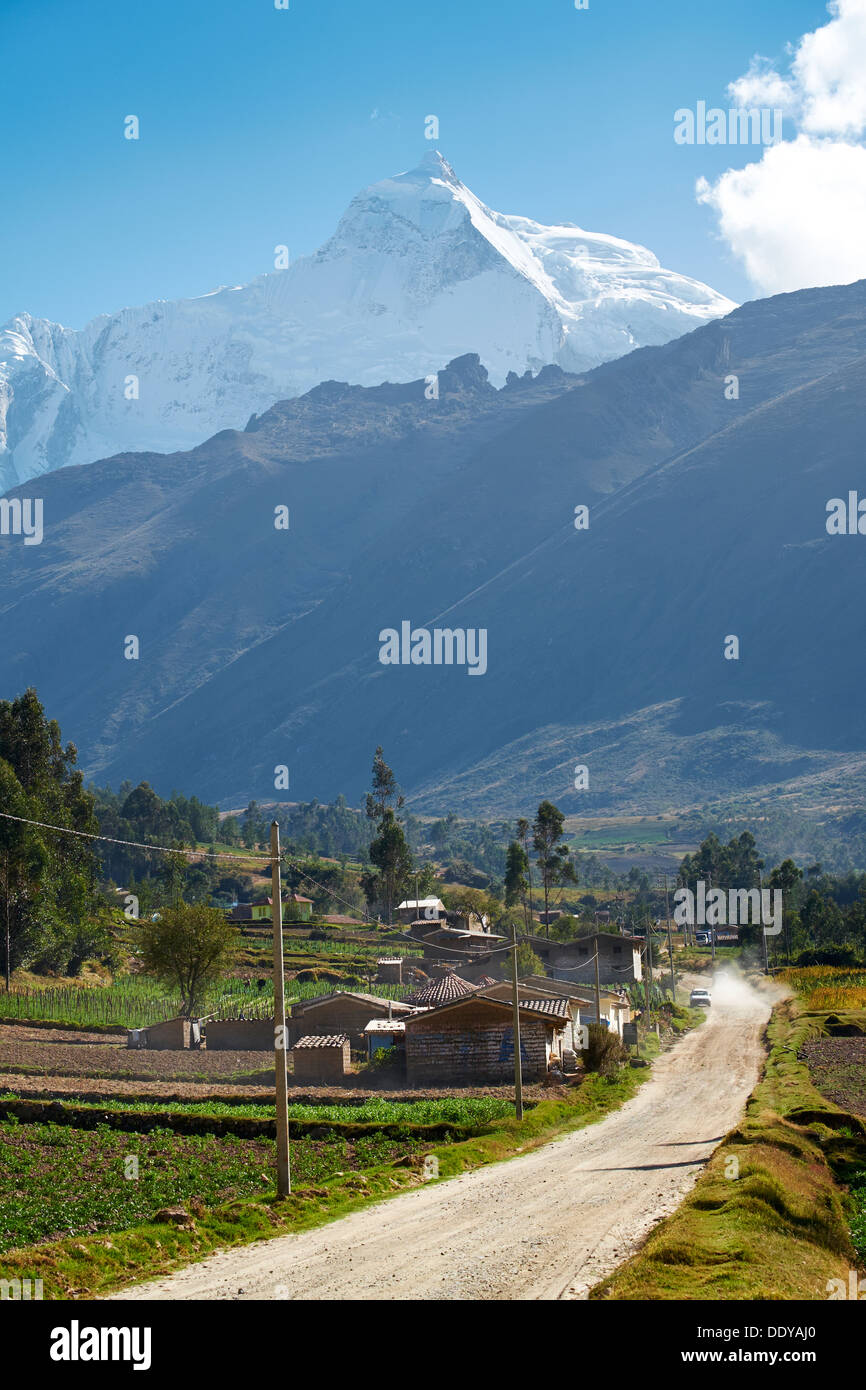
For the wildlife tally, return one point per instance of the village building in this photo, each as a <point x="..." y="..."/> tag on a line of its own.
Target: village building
<point x="440" y="991"/>
<point x="470" y="1041"/>
<point x="389" y="970"/>
<point x="240" y="1035"/>
<point x="619" y="957"/>
<point x="342" y="1011"/>
<point x="299" y="907"/>
<point x="528" y="990"/>
<point x="616" y="1009"/>
<point x="321" y="1057"/>
<point x="421" y="910"/>
<point x="263" y="911"/>
<point x="474" y="923"/>
<point x="440" y="936"/>
<point x="172" y="1035"/>
<point x="383" y="1034"/>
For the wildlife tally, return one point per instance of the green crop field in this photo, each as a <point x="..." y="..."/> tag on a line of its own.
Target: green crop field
<point x="468" y="1110"/>
<point x="58" y="1181"/>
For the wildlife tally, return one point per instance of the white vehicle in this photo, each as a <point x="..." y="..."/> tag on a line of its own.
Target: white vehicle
<point x="699" y="999"/>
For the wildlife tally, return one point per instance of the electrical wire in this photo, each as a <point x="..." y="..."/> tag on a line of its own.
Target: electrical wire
<point x="135" y="844"/>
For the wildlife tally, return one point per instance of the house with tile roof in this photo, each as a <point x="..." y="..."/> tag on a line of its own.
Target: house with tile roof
<point x="441" y="991"/>
<point x="469" y="1041"/>
<point x="321" y="1057"/>
<point x="262" y="911"/>
<point x="342" y="1011"/>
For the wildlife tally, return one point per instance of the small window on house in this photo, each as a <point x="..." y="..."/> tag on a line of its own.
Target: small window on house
<point x="582" y="951"/>
<point x="617" y="950"/>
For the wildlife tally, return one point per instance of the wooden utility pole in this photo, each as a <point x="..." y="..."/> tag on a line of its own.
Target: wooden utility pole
<point x="518" y="1065"/>
<point x="670" y="941"/>
<point x="597" y="985"/>
<point x="284" y="1178"/>
<point x="8" y="933"/>
<point x="711" y="930"/>
<point x="761" y="920"/>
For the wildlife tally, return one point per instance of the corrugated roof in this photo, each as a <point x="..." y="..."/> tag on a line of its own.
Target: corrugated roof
<point x="385" y="1025"/>
<point x="322" y="1040"/>
<point x="441" y="991"/>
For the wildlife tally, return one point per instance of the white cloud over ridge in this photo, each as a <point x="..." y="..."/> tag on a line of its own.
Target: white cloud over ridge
<point x="797" y="217"/>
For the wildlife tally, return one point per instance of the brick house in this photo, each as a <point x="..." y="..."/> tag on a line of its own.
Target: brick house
<point x="172" y="1035"/>
<point x="263" y="911"/>
<point x="321" y="1057"/>
<point x="619" y="957"/>
<point x="470" y="1041"/>
<point x="421" y="910"/>
<point x="389" y="970"/>
<point x="532" y="990"/>
<point x="342" y="1011"/>
<point x="615" y="1007"/>
<point x="441" y="991"/>
<point x="240" y="1035"/>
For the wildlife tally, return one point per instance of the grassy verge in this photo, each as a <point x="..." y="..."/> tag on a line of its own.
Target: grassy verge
<point x="91" y="1265"/>
<point x="769" y="1218"/>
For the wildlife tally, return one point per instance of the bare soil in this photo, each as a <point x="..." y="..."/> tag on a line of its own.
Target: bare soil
<point x="53" y="1062"/>
<point x="100" y="1088"/>
<point x="838" y="1068"/>
<point x="63" y="1052"/>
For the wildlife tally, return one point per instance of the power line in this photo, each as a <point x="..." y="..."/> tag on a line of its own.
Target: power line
<point x="134" y="844"/>
<point x="190" y="853"/>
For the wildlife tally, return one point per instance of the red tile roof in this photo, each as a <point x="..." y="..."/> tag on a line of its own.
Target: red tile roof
<point x="441" y="991"/>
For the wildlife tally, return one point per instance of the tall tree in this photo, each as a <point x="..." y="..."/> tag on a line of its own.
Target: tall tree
<point x="552" y="854"/>
<point x="47" y="878"/>
<point x="187" y="948"/>
<point x="523" y="837"/>
<point x="517" y="878"/>
<point x="389" y="853"/>
<point x="392" y="858"/>
<point x="385" y="794"/>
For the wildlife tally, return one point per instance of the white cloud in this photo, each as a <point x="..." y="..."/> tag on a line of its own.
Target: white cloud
<point x="797" y="216"/>
<point x="762" y="85"/>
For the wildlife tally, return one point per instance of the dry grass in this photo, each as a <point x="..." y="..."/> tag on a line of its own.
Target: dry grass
<point x="825" y="988"/>
<point x="767" y="1218"/>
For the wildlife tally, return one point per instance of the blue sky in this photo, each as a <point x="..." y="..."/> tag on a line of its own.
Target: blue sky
<point x="258" y="126"/>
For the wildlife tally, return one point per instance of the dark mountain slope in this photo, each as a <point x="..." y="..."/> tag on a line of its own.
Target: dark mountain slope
<point x="260" y="647"/>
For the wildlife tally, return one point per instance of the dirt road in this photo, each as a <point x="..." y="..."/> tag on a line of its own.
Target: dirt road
<point x="547" y="1225"/>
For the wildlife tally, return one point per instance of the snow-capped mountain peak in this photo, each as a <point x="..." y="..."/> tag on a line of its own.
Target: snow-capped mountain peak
<point x="419" y="271"/>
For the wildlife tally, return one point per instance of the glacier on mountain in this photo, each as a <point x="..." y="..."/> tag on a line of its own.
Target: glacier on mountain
<point x="418" y="271"/>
